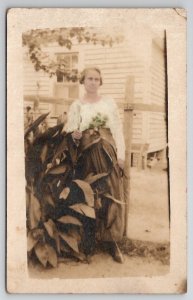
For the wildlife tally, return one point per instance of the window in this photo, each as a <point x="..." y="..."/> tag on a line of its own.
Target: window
<point x="67" y="69"/>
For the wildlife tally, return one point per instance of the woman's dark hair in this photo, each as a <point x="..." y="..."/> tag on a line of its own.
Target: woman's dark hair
<point x="84" y="72"/>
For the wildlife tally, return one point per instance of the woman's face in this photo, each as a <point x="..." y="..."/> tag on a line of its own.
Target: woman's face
<point x="92" y="81"/>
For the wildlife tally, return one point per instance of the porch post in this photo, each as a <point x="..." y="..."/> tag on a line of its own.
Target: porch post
<point x="128" y="120"/>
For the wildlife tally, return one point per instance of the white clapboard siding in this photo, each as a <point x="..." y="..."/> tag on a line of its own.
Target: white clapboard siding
<point x="137" y="129"/>
<point x="157" y="131"/>
<point x="31" y="77"/>
<point x="43" y="107"/>
<point x="157" y="76"/>
<point x="157" y="120"/>
<point x="116" y="64"/>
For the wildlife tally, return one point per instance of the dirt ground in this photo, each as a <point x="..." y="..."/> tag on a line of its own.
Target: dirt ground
<point x="148" y="218"/>
<point x="148" y="225"/>
<point x="102" y="265"/>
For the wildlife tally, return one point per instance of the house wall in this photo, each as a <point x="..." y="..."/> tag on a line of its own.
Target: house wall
<point x="157" y="120"/>
<point x="142" y="60"/>
<point x="31" y="79"/>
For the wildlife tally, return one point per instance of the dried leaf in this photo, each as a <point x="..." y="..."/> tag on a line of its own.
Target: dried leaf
<point x="71" y="241"/>
<point x="87" y="190"/>
<point x="34" y="212"/>
<point x="92" y="178"/>
<point x="57" y="170"/>
<point x="52" y="256"/>
<point x="84" y="209"/>
<point x="69" y="220"/>
<point x="42" y="253"/>
<point x="31" y="241"/>
<point x="64" y="194"/>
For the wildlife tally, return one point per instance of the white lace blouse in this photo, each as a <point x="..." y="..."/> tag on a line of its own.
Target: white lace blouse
<point x="81" y="114"/>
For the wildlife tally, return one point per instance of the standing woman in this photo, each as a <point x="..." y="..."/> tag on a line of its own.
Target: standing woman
<point x="96" y="129"/>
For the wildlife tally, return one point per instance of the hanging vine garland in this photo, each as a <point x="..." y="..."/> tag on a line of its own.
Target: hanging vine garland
<point x="34" y="40"/>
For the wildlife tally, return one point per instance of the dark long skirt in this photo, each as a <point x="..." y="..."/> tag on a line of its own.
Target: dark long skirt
<point x="98" y="155"/>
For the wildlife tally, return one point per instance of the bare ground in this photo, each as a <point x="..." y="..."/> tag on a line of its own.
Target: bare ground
<point x="102" y="265"/>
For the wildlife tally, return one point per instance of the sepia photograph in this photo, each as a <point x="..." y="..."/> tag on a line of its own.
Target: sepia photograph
<point x="94" y="150"/>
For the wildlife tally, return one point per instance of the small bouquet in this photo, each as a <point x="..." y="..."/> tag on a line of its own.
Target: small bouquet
<point x="99" y="121"/>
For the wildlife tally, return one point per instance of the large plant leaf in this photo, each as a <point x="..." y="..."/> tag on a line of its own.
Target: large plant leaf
<point x="44" y="153"/>
<point x="33" y="162"/>
<point x="64" y="194"/>
<point x="63" y="146"/>
<point x="69" y="220"/>
<point x="53" y="232"/>
<point x="72" y="151"/>
<point x="88" y="145"/>
<point x="51" y="136"/>
<point x="84" y="209"/>
<point x="42" y="253"/>
<point x="92" y="178"/>
<point x="35" y="124"/>
<point x="60" y="169"/>
<point x="34" y="212"/>
<point x="98" y="203"/>
<point x="38" y="233"/>
<point x="56" y="159"/>
<point x="45" y="253"/>
<point x="49" y="199"/>
<point x="71" y="241"/>
<point x="57" y="240"/>
<point x="52" y="256"/>
<point x="87" y="190"/>
<point x="107" y="195"/>
<point x="80" y="256"/>
<point x="31" y="241"/>
<point x="75" y="234"/>
<point x="66" y="249"/>
<point x="51" y="228"/>
<point x="53" y="131"/>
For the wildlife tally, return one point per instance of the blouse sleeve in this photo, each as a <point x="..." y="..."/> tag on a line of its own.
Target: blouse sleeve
<point x="116" y="128"/>
<point x="73" y="117"/>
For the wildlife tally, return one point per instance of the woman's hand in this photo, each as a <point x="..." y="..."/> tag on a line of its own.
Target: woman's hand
<point x="121" y="163"/>
<point x="77" y="135"/>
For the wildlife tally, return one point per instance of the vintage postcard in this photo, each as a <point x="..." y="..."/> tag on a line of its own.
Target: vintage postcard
<point x="96" y="150"/>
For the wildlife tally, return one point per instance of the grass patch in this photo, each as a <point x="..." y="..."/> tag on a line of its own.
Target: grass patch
<point x="150" y="250"/>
